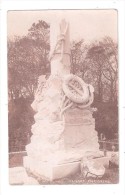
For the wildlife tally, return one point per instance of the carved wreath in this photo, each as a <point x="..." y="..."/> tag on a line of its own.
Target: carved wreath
<point x="76" y="92"/>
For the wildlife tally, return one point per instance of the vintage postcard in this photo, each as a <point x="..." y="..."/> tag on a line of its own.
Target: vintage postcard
<point x="63" y="96"/>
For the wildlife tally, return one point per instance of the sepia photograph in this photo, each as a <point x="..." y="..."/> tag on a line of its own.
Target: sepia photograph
<point x="63" y="97"/>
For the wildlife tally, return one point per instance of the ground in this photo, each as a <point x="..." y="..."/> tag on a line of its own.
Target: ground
<point x="110" y="176"/>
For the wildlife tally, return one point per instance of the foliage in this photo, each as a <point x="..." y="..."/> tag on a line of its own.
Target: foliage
<point x="20" y="121"/>
<point x="106" y="118"/>
<point x="103" y="66"/>
<point x="78" y="60"/>
<point x="27" y="60"/>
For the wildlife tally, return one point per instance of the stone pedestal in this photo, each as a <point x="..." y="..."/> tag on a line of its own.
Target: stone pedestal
<point x="79" y="131"/>
<point x="60" y="158"/>
<point x="50" y="171"/>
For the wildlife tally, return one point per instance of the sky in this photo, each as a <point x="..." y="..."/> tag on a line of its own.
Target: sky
<point x="89" y="25"/>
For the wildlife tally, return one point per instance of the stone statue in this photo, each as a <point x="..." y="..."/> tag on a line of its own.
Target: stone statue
<point x="64" y="128"/>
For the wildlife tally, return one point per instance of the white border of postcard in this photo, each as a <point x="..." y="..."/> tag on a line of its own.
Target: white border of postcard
<point x="110" y="189"/>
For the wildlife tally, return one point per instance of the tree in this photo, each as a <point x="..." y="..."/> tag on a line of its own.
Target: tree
<point x="106" y="119"/>
<point x="103" y="65"/>
<point x="20" y="121"/>
<point x="110" y="70"/>
<point x="27" y="60"/>
<point x="96" y="61"/>
<point x="40" y="33"/>
<point x="78" y="54"/>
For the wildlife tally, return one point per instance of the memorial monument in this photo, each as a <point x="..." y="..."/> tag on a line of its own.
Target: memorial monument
<point x="64" y="130"/>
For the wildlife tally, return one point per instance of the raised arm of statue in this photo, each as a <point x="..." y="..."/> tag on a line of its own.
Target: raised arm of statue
<point x="61" y="43"/>
<point x="60" y="48"/>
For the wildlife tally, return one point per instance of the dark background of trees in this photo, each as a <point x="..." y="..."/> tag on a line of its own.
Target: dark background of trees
<point x="28" y="58"/>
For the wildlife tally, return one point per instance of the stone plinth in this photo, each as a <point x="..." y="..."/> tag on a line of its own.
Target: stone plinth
<point x="54" y="154"/>
<point x="50" y="171"/>
<point x="79" y="131"/>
